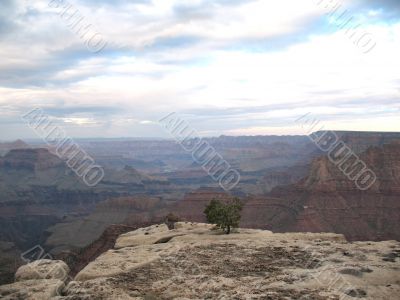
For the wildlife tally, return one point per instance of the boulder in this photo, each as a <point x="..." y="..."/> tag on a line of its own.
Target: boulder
<point x="43" y="269"/>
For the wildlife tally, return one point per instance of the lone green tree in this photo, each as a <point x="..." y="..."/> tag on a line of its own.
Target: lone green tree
<point x="226" y="215"/>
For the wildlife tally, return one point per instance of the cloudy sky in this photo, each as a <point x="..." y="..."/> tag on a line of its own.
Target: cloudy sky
<point x="234" y="67"/>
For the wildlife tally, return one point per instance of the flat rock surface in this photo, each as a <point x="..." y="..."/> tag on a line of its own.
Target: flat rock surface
<point x="193" y="261"/>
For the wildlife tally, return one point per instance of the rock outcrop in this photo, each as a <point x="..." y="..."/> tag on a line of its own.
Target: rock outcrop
<point x="195" y="261"/>
<point x="77" y="260"/>
<point x="41" y="279"/>
<point x="43" y="269"/>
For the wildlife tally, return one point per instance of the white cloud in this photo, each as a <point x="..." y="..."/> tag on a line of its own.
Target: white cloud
<point x="324" y="73"/>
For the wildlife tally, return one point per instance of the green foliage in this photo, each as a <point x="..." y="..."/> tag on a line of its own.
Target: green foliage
<point x="226" y="215"/>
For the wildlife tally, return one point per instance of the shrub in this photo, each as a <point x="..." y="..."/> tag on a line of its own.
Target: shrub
<point x="226" y="215"/>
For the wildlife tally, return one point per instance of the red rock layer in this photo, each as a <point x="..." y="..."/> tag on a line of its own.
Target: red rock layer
<point x="191" y="208"/>
<point x="324" y="201"/>
<point x="329" y="201"/>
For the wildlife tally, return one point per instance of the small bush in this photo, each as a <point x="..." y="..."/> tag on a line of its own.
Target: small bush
<point x="226" y="215"/>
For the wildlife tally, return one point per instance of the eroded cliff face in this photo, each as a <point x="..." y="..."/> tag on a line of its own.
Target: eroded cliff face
<point x="263" y="212"/>
<point x="195" y="261"/>
<point x="29" y="175"/>
<point x="31" y="179"/>
<point x="6" y="147"/>
<point x="78" y="233"/>
<point x="38" y="190"/>
<point x="360" y="141"/>
<point x="323" y="201"/>
<point x="192" y="206"/>
<point x="10" y="260"/>
<point x="328" y="201"/>
<point x="282" y="176"/>
<point x="77" y="260"/>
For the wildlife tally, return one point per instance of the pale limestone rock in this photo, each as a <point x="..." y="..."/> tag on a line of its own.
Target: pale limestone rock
<point x="194" y="261"/>
<point x="142" y="236"/>
<point x="114" y="262"/>
<point x="192" y="226"/>
<point x="43" y="269"/>
<point x="159" y="234"/>
<point x="43" y="289"/>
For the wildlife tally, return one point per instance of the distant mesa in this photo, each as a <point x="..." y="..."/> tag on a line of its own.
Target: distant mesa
<point x="18" y="144"/>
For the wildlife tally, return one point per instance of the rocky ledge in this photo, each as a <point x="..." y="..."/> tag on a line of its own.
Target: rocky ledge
<point x="195" y="261"/>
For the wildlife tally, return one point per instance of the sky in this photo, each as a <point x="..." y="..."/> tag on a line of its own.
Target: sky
<point x="113" y="68"/>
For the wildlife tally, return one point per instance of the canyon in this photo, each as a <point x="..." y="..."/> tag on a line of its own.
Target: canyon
<point x="287" y="185"/>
